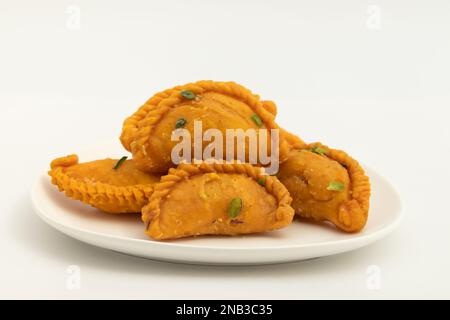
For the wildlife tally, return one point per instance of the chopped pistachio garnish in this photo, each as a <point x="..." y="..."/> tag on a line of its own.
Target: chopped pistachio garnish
<point x="180" y="123"/>
<point x="319" y="150"/>
<point x="336" y="186"/>
<point x="262" y="182"/>
<point x="257" y="120"/>
<point x="120" y="162"/>
<point x="234" y="208"/>
<point x="188" y="94"/>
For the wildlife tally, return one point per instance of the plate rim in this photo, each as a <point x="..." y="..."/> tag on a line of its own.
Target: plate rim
<point x="364" y="239"/>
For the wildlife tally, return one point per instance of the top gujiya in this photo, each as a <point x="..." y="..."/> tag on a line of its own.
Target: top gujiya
<point x="221" y="106"/>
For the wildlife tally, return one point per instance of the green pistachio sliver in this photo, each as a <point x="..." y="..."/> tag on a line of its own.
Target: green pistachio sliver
<point x="188" y="94"/>
<point x="180" y="123"/>
<point x="235" y="207"/>
<point x="319" y="150"/>
<point x="262" y="182"/>
<point x="336" y="186"/>
<point x="120" y="162"/>
<point x="257" y="120"/>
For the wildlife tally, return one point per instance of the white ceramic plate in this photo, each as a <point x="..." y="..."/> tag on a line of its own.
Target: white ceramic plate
<point x="299" y="241"/>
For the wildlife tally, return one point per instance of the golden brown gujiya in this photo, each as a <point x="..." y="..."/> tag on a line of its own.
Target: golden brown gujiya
<point x="131" y="124"/>
<point x="216" y="199"/>
<point x="327" y="185"/>
<point x="110" y="185"/>
<point x="218" y="105"/>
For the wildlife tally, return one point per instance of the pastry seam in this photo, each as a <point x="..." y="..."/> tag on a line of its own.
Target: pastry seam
<point x="135" y="196"/>
<point x="137" y="128"/>
<point x="185" y="171"/>
<point x="130" y="125"/>
<point x="360" y="184"/>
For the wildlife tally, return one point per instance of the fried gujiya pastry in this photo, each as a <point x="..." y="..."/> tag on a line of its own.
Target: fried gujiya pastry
<point x="216" y="199"/>
<point x="113" y="186"/>
<point x="327" y="185"/>
<point x="131" y="124"/>
<point x="218" y="105"/>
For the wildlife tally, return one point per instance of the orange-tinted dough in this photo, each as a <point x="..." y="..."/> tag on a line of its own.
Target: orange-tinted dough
<point x="194" y="200"/>
<point x="98" y="184"/>
<point x="308" y="175"/>
<point x="219" y="105"/>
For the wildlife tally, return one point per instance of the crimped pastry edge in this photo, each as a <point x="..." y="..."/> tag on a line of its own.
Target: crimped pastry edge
<point x="184" y="171"/>
<point x="137" y="128"/>
<point x="360" y="193"/>
<point x="99" y="195"/>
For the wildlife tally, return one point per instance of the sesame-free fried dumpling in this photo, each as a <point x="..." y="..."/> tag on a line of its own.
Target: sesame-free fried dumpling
<point x="131" y="124"/>
<point x="114" y="186"/>
<point x="216" y="199"/>
<point x="217" y="105"/>
<point x="327" y="185"/>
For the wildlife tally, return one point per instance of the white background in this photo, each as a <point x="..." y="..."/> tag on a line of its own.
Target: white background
<point x="376" y="86"/>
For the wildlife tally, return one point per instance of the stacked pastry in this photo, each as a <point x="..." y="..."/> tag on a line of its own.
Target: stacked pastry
<point x="214" y="197"/>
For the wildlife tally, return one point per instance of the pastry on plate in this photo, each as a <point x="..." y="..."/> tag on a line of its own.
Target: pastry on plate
<point x="216" y="199"/>
<point x="111" y="185"/>
<point x="147" y="134"/>
<point x="327" y="185"/>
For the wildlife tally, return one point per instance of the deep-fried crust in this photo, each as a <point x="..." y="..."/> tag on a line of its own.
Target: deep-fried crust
<point x="152" y="213"/>
<point x="351" y="212"/>
<point x="137" y="130"/>
<point x="97" y="183"/>
<point x="293" y="141"/>
<point x="131" y="124"/>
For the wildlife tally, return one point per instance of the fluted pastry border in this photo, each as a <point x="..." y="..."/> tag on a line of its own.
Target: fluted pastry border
<point x="185" y="171"/>
<point x="100" y="195"/>
<point x="360" y="190"/>
<point x="137" y="128"/>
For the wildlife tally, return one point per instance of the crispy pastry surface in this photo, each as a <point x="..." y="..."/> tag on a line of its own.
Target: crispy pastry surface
<point x="308" y="175"/>
<point x="122" y="190"/>
<point x="218" y="105"/>
<point x="195" y="200"/>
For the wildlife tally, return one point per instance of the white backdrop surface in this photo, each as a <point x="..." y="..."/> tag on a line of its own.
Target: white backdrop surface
<point x="370" y="77"/>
